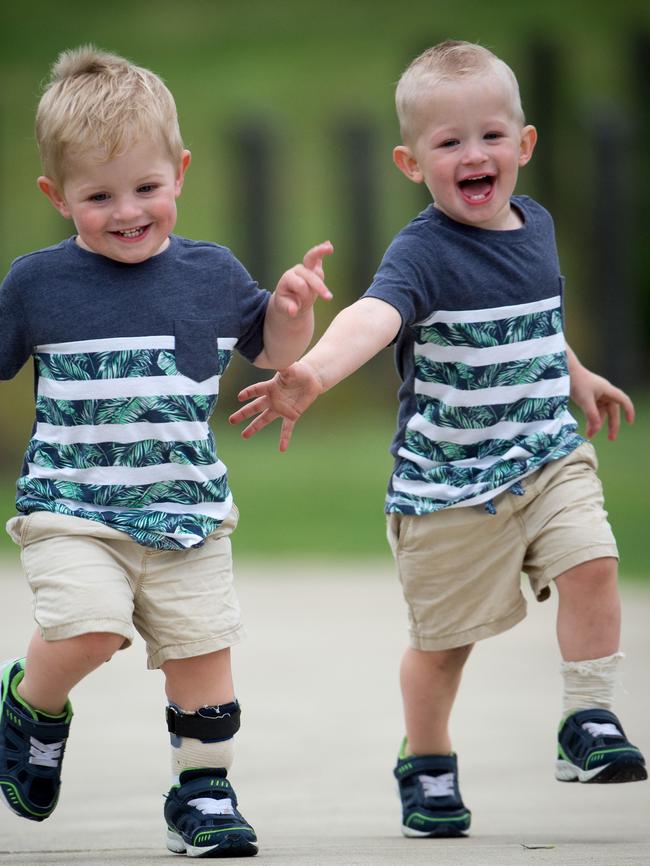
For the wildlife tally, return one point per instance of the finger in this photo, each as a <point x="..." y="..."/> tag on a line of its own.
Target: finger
<point x="257" y="389"/>
<point x="613" y="420"/>
<point x="304" y="280"/>
<point x="594" y="419"/>
<point x="286" y="431"/>
<point x="259" y="423"/>
<point x="313" y="258"/>
<point x="627" y="404"/>
<point x="247" y="411"/>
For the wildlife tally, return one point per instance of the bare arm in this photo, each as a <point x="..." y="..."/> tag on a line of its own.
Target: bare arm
<point x="357" y="333"/>
<point x="598" y="399"/>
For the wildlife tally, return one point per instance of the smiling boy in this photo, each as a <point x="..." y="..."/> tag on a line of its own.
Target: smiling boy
<point x="491" y="477"/>
<point x="125" y="507"/>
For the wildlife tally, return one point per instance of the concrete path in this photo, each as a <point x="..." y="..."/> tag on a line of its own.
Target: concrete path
<point x="317" y="679"/>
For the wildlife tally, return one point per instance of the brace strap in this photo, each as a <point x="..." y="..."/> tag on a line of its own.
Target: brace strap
<point x="221" y="724"/>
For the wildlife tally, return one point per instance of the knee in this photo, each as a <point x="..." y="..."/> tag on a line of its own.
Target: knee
<point x="100" y="646"/>
<point x="448" y="661"/>
<point x="589" y="577"/>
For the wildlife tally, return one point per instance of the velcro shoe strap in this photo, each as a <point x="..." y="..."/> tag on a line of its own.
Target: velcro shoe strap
<point x="206" y="786"/>
<point x="30" y="727"/>
<point x="200" y="727"/>
<point x="431" y="764"/>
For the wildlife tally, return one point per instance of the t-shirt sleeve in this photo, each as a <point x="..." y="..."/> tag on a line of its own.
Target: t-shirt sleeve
<point x="404" y="280"/>
<point x="252" y="303"/>
<point x="15" y="343"/>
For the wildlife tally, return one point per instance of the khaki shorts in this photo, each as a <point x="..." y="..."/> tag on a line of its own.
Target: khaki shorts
<point x="87" y="577"/>
<point x="460" y="568"/>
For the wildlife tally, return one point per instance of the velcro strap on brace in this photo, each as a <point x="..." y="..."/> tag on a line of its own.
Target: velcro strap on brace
<point x="222" y="726"/>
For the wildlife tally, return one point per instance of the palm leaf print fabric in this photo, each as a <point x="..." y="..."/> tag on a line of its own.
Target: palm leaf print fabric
<point x="491" y="405"/>
<point x="122" y="437"/>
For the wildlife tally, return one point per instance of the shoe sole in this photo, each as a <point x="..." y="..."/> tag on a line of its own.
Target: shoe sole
<point x="444" y="831"/>
<point x="442" y="827"/>
<point x="616" y="772"/>
<point x="231" y="845"/>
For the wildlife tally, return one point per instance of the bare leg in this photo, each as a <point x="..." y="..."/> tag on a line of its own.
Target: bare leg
<point x="54" y="667"/>
<point x="430" y="681"/>
<point x="199" y="681"/>
<point x="589" y="611"/>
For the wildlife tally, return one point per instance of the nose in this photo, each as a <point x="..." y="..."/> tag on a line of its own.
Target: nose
<point x="126" y="209"/>
<point x="474" y="153"/>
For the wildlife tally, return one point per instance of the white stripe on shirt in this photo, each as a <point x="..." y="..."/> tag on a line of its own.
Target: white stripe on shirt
<point x="502" y="430"/>
<point x="130" y="386"/>
<point x="138" y="431"/>
<point x="130" y="475"/>
<point x="492" y="313"/>
<point x="544" y="388"/>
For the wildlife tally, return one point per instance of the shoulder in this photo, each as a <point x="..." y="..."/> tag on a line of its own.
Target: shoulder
<point x="533" y="211"/>
<point x="200" y="249"/>
<point x="187" y="252"/>
<point x="39" y="260"/>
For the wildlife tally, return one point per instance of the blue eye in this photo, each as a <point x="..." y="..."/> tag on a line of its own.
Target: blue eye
<point x="450" y="142"/>
<point x="147" y="187"/>
<point x="98" y="197"/>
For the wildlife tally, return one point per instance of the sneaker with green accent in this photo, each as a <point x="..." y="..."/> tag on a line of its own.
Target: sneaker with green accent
<point x="32" y="744"/>
<point x="431" y="801"/>
<point x="592" y="747"/>
<point x="202" y="817"/>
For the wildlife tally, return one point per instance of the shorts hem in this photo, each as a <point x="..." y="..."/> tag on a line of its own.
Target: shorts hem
<point x="89" y="626"/>
<point x="197" y="648"/>
<point x="471" y="635"/>
<point x="576" y="557"/>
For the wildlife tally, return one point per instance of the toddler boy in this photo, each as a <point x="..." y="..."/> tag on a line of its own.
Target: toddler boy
<point x="491" y="477"/>
<point x="125" y="507"/>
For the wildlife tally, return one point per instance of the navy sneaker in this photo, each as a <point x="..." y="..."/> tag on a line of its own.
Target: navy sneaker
<point x="31" y="749"/>
<point x="431" y="801"/>
<point x="202" y="817"/>
<point x="592" y="747"/>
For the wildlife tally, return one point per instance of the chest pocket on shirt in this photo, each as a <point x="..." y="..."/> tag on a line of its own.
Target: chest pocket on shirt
<point x="196" y="346"/>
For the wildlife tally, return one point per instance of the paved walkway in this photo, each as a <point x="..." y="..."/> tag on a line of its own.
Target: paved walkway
<point x="317" y="679"/>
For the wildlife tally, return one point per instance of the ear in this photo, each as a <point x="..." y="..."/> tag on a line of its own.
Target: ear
<point x="186" y="158"/>
<point x="48" y="187"/>
<point x="527" y="144"/>
<point x="405" y="160"/>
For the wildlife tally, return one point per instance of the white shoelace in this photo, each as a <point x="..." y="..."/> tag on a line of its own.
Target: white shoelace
<point x="45" y="754"/>
<point x="438" y="786"/>
<point x="212" y="806"/>
<point x="598" y="730"/>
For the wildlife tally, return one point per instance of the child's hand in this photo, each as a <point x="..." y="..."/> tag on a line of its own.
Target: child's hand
<point x="600" y="400"/>
<point x="287" y="395"/>
<point x="299" y="287"/>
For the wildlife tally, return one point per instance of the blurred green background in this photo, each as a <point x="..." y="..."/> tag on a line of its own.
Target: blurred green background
<point x="308" y="77"/>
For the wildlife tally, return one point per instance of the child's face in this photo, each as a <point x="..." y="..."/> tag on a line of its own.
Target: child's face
<point x="124" y="209"/>
<point x="468" y="150"/>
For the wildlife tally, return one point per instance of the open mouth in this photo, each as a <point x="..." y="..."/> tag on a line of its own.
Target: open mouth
<point x="132" y="233"/>
<point x="477" y="189"/>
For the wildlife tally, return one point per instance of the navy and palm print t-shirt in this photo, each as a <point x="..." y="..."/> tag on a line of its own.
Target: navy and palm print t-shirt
<point x="128" y="359"/>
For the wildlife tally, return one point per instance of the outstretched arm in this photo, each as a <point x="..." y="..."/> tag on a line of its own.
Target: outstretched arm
<point x="358" y="333"/>
<point x="289" y="321"/>
<point x="598" y="399"/>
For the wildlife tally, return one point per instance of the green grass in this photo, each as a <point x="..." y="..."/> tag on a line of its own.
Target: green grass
<point x="324" y="496"/>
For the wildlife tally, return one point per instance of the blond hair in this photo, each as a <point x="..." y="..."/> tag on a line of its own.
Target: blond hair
<point x="447" y="62"/>
<point x="102" y="102"/>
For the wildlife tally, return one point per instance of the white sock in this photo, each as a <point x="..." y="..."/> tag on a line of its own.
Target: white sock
<point x="589" y="683"/>
<point x="192" y="754"/>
